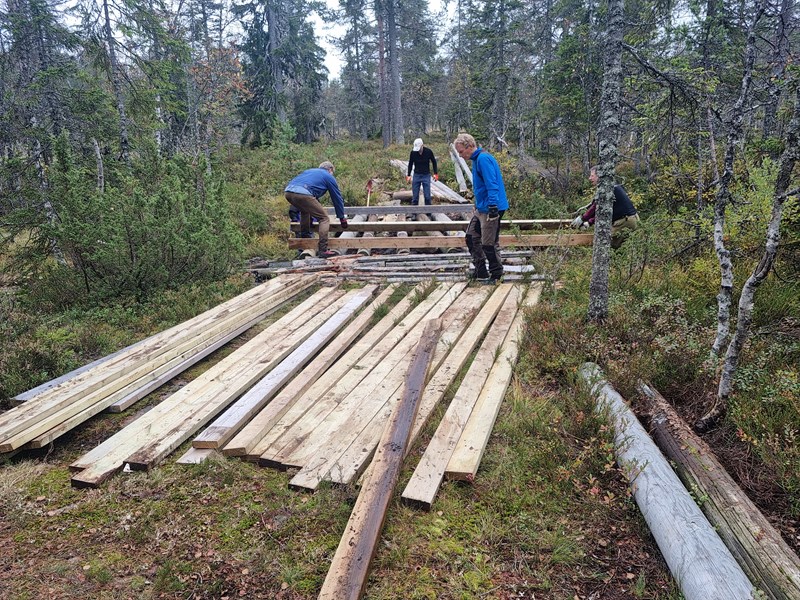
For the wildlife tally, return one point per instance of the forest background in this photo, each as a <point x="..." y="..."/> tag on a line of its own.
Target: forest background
<point x="144" y="146"/>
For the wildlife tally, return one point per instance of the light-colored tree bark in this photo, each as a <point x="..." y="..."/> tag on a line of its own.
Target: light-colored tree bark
<point x="608" y="139"/>
<point x="116" y="85"/>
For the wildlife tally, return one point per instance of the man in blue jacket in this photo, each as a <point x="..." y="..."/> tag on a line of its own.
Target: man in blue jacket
<point x="304" y="191"/>
<point x="483" y="232"/>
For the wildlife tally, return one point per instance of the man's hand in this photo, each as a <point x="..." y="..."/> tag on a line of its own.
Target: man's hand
<point x="343" y="223"/>
<point x="436" y="177"/>
<point x="494" y="214"/>
<point x="577" y="222"/>
<point x="408" y="178"/>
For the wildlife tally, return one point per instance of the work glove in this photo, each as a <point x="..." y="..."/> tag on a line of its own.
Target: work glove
<point x="494" y="214"/>
<point x="408" y="178"/>
<point x="436" y="177"/>
<point x="585" y="225"/>
<point x="343" y="222"/>
<point x="577" y="222"/>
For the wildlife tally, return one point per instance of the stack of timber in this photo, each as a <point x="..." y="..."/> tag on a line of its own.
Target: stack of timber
<point x="701" y="564"/>
<point x="758" y="547"/>
<point x="155" y="434"/>
<point x="405" y="267"/>
<point x="328" y="422"/>
<point x="436" y="186"/>
<point x="117" y="381"/>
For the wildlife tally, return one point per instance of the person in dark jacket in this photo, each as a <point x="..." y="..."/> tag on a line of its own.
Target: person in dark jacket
<point x="483" y="231"/>
<point x="304" y="191"/>
<point x="624" y="213"/>
<point x="420" y="161"/>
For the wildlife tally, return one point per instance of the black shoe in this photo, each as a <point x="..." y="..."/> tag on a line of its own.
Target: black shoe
<point x="327" y="254"/>
<point x="491" y="280"/>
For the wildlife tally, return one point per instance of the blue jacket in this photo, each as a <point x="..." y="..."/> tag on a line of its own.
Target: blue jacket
<point x="316" y="182"/>
<point x="487" y="182"/>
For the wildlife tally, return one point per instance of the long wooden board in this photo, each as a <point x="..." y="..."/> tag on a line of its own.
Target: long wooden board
<point x="410" y="226"/>
<point x="270" y="442"/>
<point x="357" y="404"/>
<point x="404" y="209"/>
<point x="532" y="241"/>
<point x="347" y="575"/>
<point x="427" y="477"/>
<point x="285" y="447"/>
<point x="254" y="431"/>
<point x="467" y="455"/>
<point x="241" y="411"/>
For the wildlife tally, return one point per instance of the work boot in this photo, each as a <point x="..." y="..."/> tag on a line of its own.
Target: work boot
<point x="327" y="254"/>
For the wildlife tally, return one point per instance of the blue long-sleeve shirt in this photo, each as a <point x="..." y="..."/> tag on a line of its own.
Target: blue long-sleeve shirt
<point x="318" y="182"/>
<point x="487" y="182"/>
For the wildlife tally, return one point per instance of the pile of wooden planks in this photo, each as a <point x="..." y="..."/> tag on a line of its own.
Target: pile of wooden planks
<point x="117" y="381"/>
<point x="329" y="429"/>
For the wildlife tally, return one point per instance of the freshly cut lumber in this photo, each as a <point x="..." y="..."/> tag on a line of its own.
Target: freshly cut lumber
<point x="254" y="431"/>
<point x="280" y="433"/>
<point x="294" y="447"/>
<point x="700" y="563"/>
<point x="469" y="450"/>
<point x="241" y="411"/>
<point x="392" y="209"/>
<point x="347" y="575"/>
<point x="195" y="456"/>
<point x="760" y="550"/>
<point x="54" y="417"/>
<point x="407" y="195"/>
<point x="347" y="444"/>
<point x="520" y="241"/>
<point x="333" y="433"/>
<point x="427" y="477"/>
<point x="358" y="455"/>
<point x="153" y="432"/>
<point x="441" y="222"/>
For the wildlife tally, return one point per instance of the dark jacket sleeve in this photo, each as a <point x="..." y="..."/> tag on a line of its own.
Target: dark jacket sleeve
<point x="336" y="196"/>
<point x="410" y="163"/>
<point x="435" y="167"/>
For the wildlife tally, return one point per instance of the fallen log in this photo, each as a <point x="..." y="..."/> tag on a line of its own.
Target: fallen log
<point x="698" y="560"/>
<point x="760" y="550"/>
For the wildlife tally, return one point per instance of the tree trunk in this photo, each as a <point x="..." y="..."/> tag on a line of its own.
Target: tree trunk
<point x="608" y="139"/>
<point x="779" y="59"/>
<point x="116" y="86"/>
<point x="394" y="74"/>
<point x="766" y="558"/>
<point x="790" y="156"/>
<point x="383" y="84"/>
<point x="98" y="156"/>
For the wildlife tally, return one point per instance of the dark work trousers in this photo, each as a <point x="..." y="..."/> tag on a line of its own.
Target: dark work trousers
<point x="483" y="238"/>
<point x="425" y="182"/>
<point x="310" y="207"/>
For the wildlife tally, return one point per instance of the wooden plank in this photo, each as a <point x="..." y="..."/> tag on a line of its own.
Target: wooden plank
<point x="356" y="404"/>
<point x="355" y="414"/>
<point x="438" y="225"/>
<point x="270" y="442"/>
<point x="127" y="438"/>
<point x="49" y="424"/>
<point x="295" y="436"/>
<point x="149" y="346"/>
<point x="347" y="575"/>
<point x="698" y="560"/>
<point x="195" y="456"/>
<point x="404" y="209"/>
<point x="241" y="411"/>
<point x="427" y="477"/>
<point x="758" y="547"/>
<point x="455" y="344"/>
<point x="73" y="396"/>
<point x="467" y="455"/>
<point x="254" y="431"/>
<point x="531" y="241"/>
<point x="187" y="422"/>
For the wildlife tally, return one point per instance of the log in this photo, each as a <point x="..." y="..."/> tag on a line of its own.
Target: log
<point x="441" y="188"/>
<point x="347" y="575"/>
<point x="760" y="550"/>
<point x="441" y="222"/>
<point x="519" y="241"/>
<point x="459" y="169"/>
<point x="698" y="560"/>
<point x="462" y="163"/>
